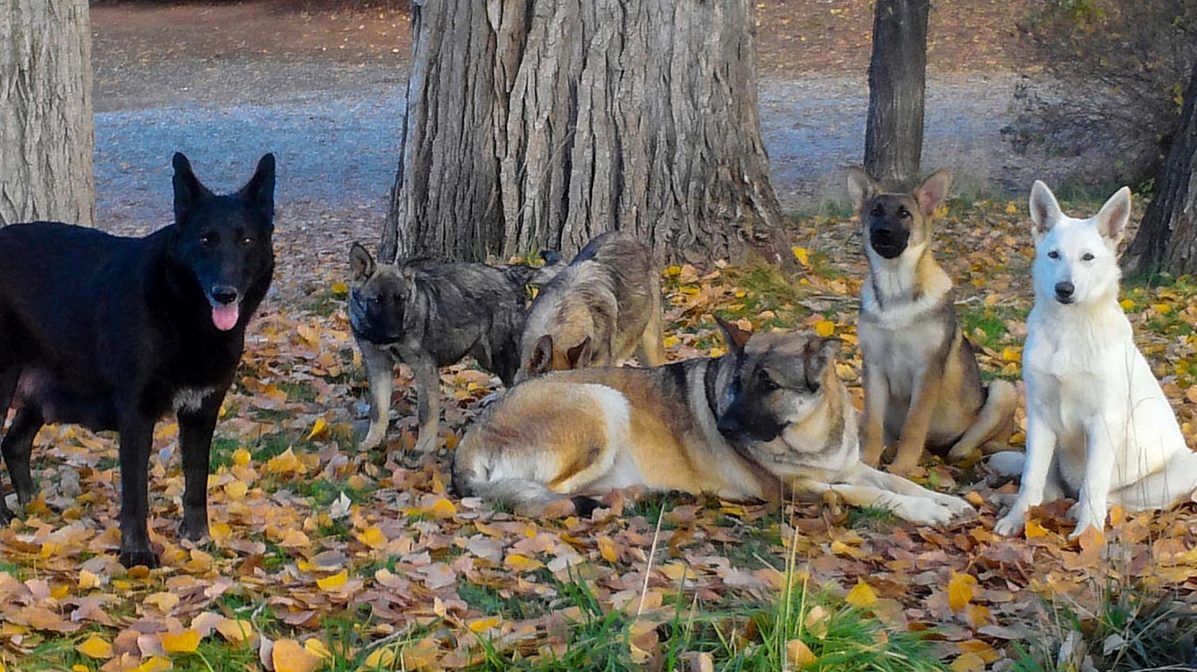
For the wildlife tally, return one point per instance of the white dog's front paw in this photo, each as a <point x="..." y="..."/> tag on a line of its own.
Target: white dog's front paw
<point x="1086" y="516"/>
<point x="1012" y="523"/>
<point x="374" y="437"/>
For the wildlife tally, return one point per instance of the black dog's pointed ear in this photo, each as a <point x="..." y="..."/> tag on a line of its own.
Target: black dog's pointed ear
<point x="735" y="337"/>
<point x="188" y="190"/>
<point x="542" y="356"/>
<point x="259" y="191"/>
<point x="360" y="262"/>
<point x="579" y="355"/>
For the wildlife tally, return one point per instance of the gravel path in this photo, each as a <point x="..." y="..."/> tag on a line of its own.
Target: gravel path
<point x="335" y="130"/>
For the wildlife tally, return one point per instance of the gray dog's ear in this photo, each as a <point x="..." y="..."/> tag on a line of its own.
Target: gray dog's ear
<point x="861" y="187"/>
<point x="735" y="337"/>
<point x="542" y="356"/>
<point x="360" y="262"/>
<point x="819" y="354"/>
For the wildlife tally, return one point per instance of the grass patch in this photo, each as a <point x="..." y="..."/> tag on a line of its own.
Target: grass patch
<point x="871" y="518"/>
<point x="490" y="601"/>
<point x="651" y="507"/>
<point x="324" y="303"/>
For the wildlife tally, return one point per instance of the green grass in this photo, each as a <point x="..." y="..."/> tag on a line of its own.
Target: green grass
<point x="871" y="518"/>
<point x="491" y="601"/>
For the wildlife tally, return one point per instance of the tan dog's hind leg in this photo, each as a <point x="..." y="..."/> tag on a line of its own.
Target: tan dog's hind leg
<point x="876" y="400"/>
<point x="652" y="349"/>
<point x="991" y="428"/>
<point x="918" y="420"/>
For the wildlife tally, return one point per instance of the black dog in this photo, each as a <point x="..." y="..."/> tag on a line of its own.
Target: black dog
<point x="112" y="333"/>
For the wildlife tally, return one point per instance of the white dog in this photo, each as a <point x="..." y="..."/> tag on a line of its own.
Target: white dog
<point x="1098" y="425"/>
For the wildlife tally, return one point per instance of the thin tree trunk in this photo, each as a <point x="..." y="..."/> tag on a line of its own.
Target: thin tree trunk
<point x="540" y="124"/>
<point x="46" y="131"/>
<point x="897" y="78"/>
<point x="1167" y="238"/>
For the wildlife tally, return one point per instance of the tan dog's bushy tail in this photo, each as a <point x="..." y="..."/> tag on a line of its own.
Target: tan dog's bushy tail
<point x="474" y="475"/>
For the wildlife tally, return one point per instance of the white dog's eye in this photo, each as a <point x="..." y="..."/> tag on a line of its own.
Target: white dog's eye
<point x="1087" y="257"/>
<point x="1053" y="255"/>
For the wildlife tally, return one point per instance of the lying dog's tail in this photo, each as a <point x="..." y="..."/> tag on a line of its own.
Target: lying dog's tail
<point x="475" y="474"/>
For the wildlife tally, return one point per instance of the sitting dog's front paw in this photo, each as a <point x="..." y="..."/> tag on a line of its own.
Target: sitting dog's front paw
<point x="1012" y="523"/>
<point x="132" y="557"/>
<point x="193" y="529"/>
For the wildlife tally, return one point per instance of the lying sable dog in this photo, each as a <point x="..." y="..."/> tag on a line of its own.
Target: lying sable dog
<point x="430" y="314"/>
<point x="602" y="307"/>
<point x="113" y="333"/>
<point x="768" y="419"/>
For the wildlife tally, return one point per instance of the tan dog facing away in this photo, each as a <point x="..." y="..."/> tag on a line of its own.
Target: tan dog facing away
<point x="922" y="385"/>
<point x="767" y="420"/>
<point x="605" y="305"/>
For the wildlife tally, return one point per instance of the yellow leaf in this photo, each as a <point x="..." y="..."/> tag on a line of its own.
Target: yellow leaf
<point x="1011" y="353"/>
<point x="235" y="630"/>
<point x="289" y="656"/>
<point x="79" y="667"/>
<point x="340" y="288"/>
<point x="319" y="429"/>
<point x="180" y="642"/>
<point x="154" y="664"/>
<point x="372" y="537"/>
<point x="95" y="647"/>
<point x="961" y="589"/>
<point x="241" y="457"/>
<point x="672" y="271"/>
<point x="483" y="624"/>
<point x="441" y="508"/>
<point x="317" y="648"/>
<point x="607" y="549"/>
<point x="968" y="662"/>
<point x="1162" y="308"/>
<point x="825" y="328"/>
<point x="285" y="463"/>
<point x="1127" y="304"/>
<point x="60" y="591"/>
<point x="801" y="254"/>
<point x="332" y="583"/>
<point x="236" y="490"/>
<point x="862" y="595"/>
<point x="164" y="601"/>
<point x="1011" y="208"/>
<point x="1034" y="530"/>
<point x="798" y="653"/>
<point x="522" y="563"/>
<point x="88" y="580"/>
<point x="381" y="659"/>
<point x="670" y="341"/>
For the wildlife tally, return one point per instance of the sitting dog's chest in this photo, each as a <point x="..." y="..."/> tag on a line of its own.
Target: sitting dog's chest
<point x="900" y="353"/>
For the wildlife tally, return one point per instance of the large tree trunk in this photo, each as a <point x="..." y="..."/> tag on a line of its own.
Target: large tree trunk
<point x="897" y="75"/>
<point x="46" y="132"/>
<point x="539" y="124"/>
<point x="1167" y="238"/>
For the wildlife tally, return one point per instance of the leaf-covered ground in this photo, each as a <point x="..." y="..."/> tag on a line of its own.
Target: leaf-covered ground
<point x="324" y="557"/>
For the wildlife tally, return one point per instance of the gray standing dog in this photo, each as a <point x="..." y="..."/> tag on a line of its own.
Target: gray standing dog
<point x="432" y="314"/>
<point x="605" y="305"/>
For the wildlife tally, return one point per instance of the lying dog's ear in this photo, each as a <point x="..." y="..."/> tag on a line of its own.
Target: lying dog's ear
<point x="819" y="353"/>
<point x="932" y="192"/>
<point x="1114" y="215"/>
<point x="360" y="262"/>
<point x="188" y="190"/>
<point x="861" y="187"/>
<point x="580" y="355"/>
<point x="259" y="191"/>
<point x="542" y="356"/>
<point x="735" y="337"/>
<point x="1045" y="211"/>
<point x="550" y="257"/>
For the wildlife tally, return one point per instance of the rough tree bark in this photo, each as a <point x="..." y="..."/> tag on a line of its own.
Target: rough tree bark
<point x="538" y="124"/>
<point x="46" y="132"/>
<point x="1167" y="238"/>
<point x="897" y="76"/>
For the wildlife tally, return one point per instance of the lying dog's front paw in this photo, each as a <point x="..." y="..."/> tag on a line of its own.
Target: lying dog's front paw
<point x="131" y="558"/>
<point x="922" y="511"/>
<point x="956" y="505"/>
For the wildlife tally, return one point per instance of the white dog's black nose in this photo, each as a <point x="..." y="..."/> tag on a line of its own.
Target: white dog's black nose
<point x="1064" y="291"/>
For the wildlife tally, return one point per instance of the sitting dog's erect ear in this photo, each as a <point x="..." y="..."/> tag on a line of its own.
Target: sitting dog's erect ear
<point x="735" y="337"/>
<point x="259" y="191"/>
<point x="1045" y="211"/>
<point x="1114" y="215"/>
<point x="360" y="262"/>
<point x="861" y="187"/>
<point x="188" y="190"/>
<point x="580" y="355"/>
<point x="542" y="356"/>
<point x="932" y="192"/>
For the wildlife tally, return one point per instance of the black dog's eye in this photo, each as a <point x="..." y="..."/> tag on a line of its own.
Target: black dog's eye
<point x="903" y="213"/>
<point x="764" y="383"/>
<point x="1088" y="256"/>
<point x="208" y="239"/>
<point x="877" y="211"/>
<point x="246" y="241"/>
<point x="1053" y="255"/>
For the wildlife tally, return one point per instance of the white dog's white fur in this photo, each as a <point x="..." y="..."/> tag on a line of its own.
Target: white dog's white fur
<point x="1098" y="425"/>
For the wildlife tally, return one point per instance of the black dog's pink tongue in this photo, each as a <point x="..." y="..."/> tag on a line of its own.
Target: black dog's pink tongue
<point x="225" y="317"/>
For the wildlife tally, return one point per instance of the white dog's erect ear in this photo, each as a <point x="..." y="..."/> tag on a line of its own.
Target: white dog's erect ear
<point x="932" y="192"/>
<point x="1114" y="215"/>
<point x="861" y="187"/>
<point x="1045" y="210"/>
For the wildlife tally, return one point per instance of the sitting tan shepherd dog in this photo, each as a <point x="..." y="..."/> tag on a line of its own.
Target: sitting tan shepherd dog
<point x="922" y="385"/>
<point x="767" y="420"/>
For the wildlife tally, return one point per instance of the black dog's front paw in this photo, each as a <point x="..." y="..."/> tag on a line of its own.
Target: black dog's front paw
<point x="131" y="558"/>
<point x="6" y="516"/>
<point x="193" y="530"/>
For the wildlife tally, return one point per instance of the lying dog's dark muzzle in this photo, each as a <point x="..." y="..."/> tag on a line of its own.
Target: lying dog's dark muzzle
<point x="889" y="243"/>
